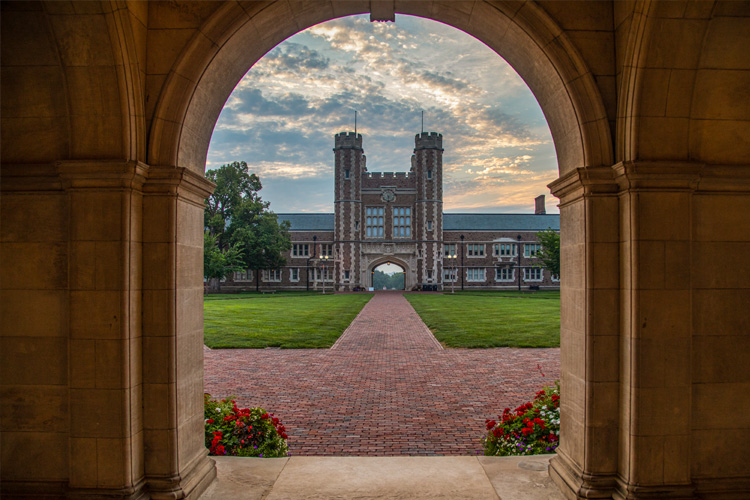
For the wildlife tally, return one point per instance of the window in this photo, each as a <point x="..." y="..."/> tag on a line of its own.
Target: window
<point x="271" y="275"/>
<point x="301" y="250"/>
<point x="356" y="225"/>
<point x="449" y="249"/>
<point x="321" y="273"/>
<point x="449" y="275"/>
<point x="530" y="250"/>
<point x="505" y="250"/>
<point x="346" y="276"/>
<point x="475" y="249"/>
<point x="429" y="275"/>
<point x="346" y="173"/>
<point x="294" y="274"/>
<point x="532" y="274"/>
<point x="402" y="222"/>
<point x="555" y="277"/>
<point x="429" y="174"/>
<point x="246" y="275"/>
<point x="475" y="274"/>
<point x="429" y="225"/>
<point x="326" y="250"/>
<point x="374" y="222"/>
<point x="504" y="274"/>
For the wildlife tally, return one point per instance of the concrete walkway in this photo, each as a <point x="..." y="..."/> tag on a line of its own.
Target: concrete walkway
<point x="413" y="478"/>
<point x="385" y="388"/>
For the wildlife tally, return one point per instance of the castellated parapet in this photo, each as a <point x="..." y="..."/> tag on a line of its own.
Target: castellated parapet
<point x="347" y="140"/>
<point x="428" y="140"/>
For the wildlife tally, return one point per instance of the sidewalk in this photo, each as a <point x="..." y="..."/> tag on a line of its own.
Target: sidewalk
<point x="413" y="478"/>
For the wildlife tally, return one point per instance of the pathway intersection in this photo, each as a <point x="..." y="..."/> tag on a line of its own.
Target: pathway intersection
<point x="385" y="388"/>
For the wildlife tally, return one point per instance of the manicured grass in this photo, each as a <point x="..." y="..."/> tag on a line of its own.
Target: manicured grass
<point x="491" y="319"/>
<point x="292" y="320"/>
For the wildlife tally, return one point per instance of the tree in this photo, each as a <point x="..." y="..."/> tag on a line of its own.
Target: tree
<point x="549" y="255"/>
<point x="393" y="281"/>
<point x="217" y="263"/>
<point x="237" y="217"/>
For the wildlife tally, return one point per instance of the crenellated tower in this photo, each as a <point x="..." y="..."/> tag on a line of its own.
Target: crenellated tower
<point x="349" y="167"/>
<point x="427" y="166"/>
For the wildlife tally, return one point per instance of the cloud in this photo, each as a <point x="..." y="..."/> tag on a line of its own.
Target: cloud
<point x="282" y="116"/>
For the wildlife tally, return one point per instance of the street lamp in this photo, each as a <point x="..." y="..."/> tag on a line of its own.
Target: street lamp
<point x="462" y="262"/>
<point x="453" y="272"/>
<point x="315" y="238"/>
<point x="519" y="262"/>
<point x="324" y="258"/>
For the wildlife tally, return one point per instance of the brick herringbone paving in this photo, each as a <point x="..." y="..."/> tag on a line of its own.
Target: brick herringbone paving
<point x="385" y="388"/>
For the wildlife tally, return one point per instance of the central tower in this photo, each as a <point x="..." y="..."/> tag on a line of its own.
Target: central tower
<point x="349" y="167"/>
<point x="427" y="166"/>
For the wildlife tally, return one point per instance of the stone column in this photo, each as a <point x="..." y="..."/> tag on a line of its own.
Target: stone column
<point x="586" y="462"/>
<point x="104" y="242"/>
<point x="656" y="349"/>
<point x="176" y="461"/>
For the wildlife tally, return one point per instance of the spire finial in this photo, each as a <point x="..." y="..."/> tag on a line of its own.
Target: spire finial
<point x="355" y="123"/>
<point x="423" y="121"/>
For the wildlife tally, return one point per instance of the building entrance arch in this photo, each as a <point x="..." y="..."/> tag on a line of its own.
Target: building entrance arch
<point x="410" y="276"/>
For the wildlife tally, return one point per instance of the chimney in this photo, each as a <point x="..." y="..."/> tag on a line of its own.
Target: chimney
<point x="539" y="208"/>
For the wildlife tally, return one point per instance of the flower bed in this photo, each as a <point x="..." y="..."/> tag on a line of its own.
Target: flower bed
<point x="244" y="432"/>
<point x="531" y="429"/>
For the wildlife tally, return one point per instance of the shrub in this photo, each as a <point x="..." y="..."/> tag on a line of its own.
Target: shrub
<point x="531" y="429"/>
<point x="244" y="432"/>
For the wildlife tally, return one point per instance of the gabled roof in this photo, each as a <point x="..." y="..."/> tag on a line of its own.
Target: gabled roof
<point x="451" y="222"/>
<point x="308" y="222"/>
<point x="500" y="222"/>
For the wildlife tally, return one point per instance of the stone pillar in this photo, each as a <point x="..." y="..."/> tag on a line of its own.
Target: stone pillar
<point x="176" y="461"/>
<point x="656" y="349"/>
<point x="586" y="462"/>
<point x="106" y="439"/>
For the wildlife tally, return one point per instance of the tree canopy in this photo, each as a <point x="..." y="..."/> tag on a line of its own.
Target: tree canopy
<point x="240" y="223"/>
<point x="549" y="256"/>
<point x="393" y="281"/>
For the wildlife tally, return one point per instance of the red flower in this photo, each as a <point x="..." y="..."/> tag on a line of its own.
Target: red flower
<point x="490" y="424"/>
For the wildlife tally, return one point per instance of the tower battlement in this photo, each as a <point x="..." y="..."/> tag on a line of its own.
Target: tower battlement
<point x="347" y="140"/>
<point x="428" y="140"/>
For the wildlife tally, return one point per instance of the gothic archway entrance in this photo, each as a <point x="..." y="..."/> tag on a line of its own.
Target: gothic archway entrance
<point x="204" y="76"/>
<point x="384" y="263"/>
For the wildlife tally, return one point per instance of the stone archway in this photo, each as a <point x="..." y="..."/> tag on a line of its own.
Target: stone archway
<point x="410" y="275"/>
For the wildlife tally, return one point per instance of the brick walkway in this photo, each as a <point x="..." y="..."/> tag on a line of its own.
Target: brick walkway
<point x="385" y="388"/>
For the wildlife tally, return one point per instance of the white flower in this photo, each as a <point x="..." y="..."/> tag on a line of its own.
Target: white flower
<point x="218" y="410"/>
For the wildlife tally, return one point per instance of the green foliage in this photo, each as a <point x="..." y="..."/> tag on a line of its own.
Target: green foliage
<point x="217" y="263"/>
<point x="491" y="319"/>
<point x="393" y="281"/>
<point x="550" y="253"/>
<point x="246" y="432"/>
<point x="237" y="217"/>
<point x="289" y="321"/>
<point x="531" y="429"/>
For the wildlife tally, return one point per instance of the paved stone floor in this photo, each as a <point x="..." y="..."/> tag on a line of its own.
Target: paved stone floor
<point x="385" y="388"/>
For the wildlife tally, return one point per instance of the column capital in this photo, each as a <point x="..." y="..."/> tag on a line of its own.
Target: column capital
<point x="180" y="182"/>
<point x="584" y="182"/>
<point x="97" y="174"/>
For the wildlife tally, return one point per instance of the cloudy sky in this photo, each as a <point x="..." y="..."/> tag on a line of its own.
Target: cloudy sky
<point x="283" y="114"/>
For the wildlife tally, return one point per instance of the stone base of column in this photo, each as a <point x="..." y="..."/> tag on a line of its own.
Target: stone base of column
<point x="18" y="490"/>
<point x="575" y="485"/>
<point x="187" y="486"/>
<point x="626" y="491"/>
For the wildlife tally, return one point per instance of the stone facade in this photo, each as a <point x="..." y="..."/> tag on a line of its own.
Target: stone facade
<point x="385" y="217"/>
<point x="107" y="114"/>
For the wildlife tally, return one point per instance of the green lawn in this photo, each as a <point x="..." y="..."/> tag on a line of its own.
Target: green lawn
<point x="491" y="319"/>
<point x="288" y="320"/>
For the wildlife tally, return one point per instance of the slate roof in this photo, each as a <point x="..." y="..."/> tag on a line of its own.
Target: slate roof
<point x="451" y="222"/>
<point x="500" y="222"/>
<point x="308" y="222"/>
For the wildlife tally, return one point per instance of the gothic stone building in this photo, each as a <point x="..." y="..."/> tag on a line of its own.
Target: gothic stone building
<point x="397" y="218"/>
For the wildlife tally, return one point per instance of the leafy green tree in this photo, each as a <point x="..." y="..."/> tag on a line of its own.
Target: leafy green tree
<point x="217" y="263"/>
<point x="393" y="281"/>
<point x="549" y="255"/>
<point x="238" y="218"/>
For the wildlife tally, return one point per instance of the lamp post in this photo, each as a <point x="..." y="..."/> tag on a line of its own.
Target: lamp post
<point x="462" y="262"/>
<point x="315" y="238"/>
<point x="519" y="262"/>
<point x="453" y="272"/>
<point x="324" y="258"/>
